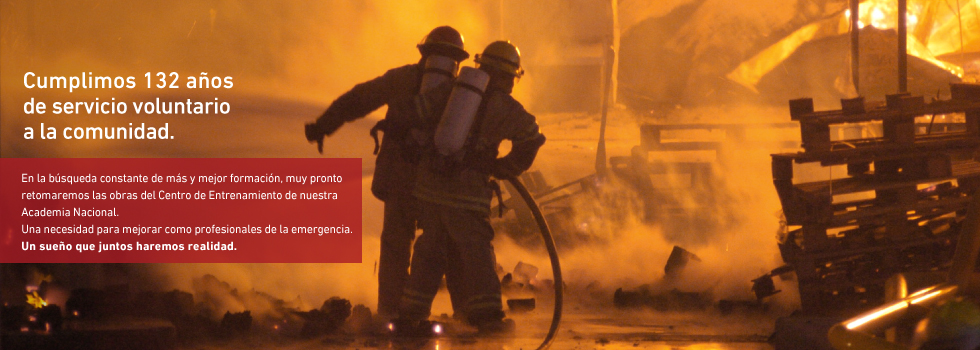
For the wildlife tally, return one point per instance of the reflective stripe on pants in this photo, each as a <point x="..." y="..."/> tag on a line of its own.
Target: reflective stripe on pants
<point x="448" y="234"/>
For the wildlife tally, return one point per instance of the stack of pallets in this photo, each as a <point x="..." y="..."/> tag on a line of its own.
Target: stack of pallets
<point x="899" y="206"/>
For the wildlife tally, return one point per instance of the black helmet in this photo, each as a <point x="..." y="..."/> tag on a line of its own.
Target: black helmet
<point x="444" y="41"/>
<point x="503" y="56"/>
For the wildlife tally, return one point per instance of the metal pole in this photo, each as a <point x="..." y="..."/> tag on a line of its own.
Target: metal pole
<point x="614" y="75"/>
<point x="903" y="38"/>
<point x="600" y="154"/>
<point x="855" y="46"/>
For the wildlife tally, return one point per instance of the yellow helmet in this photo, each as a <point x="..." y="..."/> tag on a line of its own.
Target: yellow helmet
<point x="444" y="40"/>
<point x="503" y="56"/>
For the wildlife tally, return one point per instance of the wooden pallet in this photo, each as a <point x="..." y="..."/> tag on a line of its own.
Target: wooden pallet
<point x="914" y="187"/>
<point x="893" y="167"/>
<point x="812" y="202"/>
<point x="897" y="118"/>
<point x="653" y="136"/>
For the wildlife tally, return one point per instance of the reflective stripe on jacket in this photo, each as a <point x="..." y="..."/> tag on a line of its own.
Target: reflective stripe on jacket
<point x="468" y="185"/>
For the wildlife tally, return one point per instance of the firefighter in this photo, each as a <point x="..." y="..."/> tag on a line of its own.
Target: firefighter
<point x="455" y="193"/>
<point x="394" y="172"/>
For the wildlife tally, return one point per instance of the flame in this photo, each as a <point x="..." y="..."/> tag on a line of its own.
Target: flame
<point x="36" y="300"/>
<point x="930" y="33"/>
<point x="750" y="72"/>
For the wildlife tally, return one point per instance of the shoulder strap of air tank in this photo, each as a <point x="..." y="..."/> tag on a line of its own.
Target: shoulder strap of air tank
<point x="448" y="74"/>
<point x="481" y="114"/>
<point x="381" y="125"/>
<point x="470" y="87"/>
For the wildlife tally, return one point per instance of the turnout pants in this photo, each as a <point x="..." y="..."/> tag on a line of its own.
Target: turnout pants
<point x="454" y="239"/>
<point x="397" y="234"/>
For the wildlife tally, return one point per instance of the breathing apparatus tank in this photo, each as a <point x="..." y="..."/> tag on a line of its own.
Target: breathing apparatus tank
<point x="438" y="69"/>
<point x="457" y="119"/>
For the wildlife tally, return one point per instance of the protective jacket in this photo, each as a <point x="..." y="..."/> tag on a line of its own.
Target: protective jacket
<point x="465" y="183"/>
<point x="394" y="173"/>
<point x="455" y="194"/>
<point x="394" y="170"/>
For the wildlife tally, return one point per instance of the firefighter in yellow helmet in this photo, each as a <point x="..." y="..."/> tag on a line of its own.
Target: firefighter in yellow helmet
<point x="394" y="173"/>
<point x="455" y="193"/>
<point x="503" y="57"/>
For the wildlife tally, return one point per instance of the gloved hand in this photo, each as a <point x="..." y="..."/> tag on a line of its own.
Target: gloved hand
<point x="317" y="131"/>
<point x="313" y="133"/>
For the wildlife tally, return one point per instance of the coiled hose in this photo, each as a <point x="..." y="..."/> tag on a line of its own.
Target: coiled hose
<point x="549" y="243"/>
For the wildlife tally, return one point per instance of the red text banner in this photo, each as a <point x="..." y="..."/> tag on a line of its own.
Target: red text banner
<point x="180" y="210"/>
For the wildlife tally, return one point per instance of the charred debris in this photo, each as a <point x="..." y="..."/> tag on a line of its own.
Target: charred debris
<point x="118" y="317"/>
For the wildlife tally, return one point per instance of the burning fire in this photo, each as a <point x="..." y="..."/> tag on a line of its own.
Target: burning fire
<point x="36" y="300"/>
<point x="933" y="30"/>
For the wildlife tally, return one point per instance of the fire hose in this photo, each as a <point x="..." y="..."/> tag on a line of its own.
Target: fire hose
<point x="549" y="243"/>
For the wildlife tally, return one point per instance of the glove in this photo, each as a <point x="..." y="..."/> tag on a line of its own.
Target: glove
<point x="317" y="131"/>
<point x="313" y="133"/>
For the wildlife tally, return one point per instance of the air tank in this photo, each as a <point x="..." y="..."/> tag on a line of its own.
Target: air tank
<point x="438" y="69"/>
<point x="457" y="118"/>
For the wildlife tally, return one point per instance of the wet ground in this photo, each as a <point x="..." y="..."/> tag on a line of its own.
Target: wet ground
<point x="612" y="329"/>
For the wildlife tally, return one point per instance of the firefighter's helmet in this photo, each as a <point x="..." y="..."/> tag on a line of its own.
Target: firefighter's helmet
<point x="444" y="40"/>
<point x="503" y="56"/>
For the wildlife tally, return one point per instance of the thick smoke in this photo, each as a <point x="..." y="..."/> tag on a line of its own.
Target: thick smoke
<point x="290" y="59"/>
<point x="734" y="234"/>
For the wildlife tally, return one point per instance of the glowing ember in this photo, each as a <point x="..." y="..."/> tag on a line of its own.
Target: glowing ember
<point x="878" y="18"/>
<point x="36" y="300"/>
